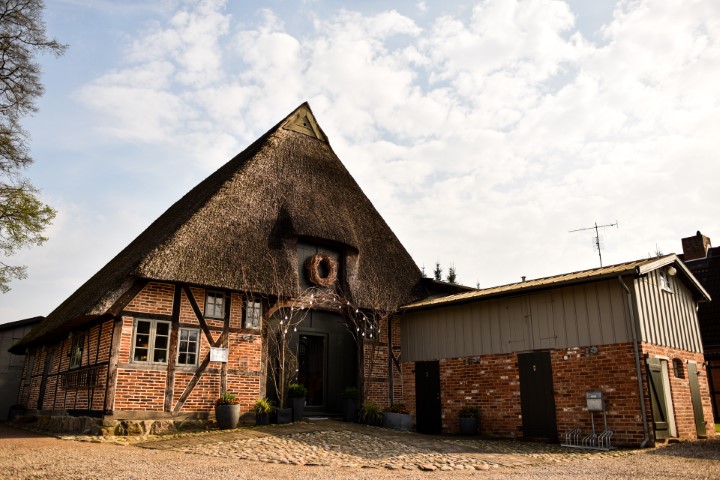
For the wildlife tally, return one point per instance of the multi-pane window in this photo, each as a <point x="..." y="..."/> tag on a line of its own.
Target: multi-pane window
<point x="188" y="346"/>
<point x="215" y="305"/>
<point x="150" y="341"/>
<point x="253" y="314"/>
<point x="76" y="350"/>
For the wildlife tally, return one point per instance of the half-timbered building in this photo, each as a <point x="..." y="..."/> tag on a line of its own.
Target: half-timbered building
<point x="182" y="313"/>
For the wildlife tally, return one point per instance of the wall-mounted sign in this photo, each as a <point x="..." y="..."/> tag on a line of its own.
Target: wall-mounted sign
<point x="218" y="354"/>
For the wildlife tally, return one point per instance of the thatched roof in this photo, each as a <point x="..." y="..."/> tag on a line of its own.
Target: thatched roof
<point x="236" y="230"/>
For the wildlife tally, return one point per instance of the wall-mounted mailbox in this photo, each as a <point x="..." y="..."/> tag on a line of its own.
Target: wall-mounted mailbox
<point x="595" y="401"/>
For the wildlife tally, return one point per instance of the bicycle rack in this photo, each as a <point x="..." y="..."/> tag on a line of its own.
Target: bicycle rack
<point x="594" y="440"/>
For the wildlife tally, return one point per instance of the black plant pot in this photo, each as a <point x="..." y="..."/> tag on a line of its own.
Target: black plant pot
<point x="298" y="408"/>
<point x="468" y="426"/>
<point x="397" y="421"/>
<point x="282" y="415"/>
<point x="262" y="418"/>
<point x="350" y="409"/>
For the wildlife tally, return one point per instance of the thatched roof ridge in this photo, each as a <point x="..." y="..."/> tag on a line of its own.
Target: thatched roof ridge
<point x="236" y="230"/>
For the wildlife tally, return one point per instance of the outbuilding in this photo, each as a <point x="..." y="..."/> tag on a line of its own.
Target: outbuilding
<point x="528" y="354"/>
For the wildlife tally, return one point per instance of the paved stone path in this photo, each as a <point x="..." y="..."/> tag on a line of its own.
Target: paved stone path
<point x="331" y="443"/>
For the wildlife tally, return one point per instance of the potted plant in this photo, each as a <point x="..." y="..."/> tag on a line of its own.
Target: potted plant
<point x="397" y="416"/>
<point x="262" y="409"/>
<point x="351" y="402"/>
<point x="370" y="414"/>
<point x="227" y="411"/>
<point x="469" y="419"/>
<point x="297" y="393"/>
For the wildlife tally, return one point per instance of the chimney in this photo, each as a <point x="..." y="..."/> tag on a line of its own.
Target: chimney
<point x="695" y="247"/>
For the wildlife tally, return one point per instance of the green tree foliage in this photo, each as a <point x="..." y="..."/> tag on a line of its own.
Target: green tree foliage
<point x="23" y="217"/>
<point x="451" y="276"/>
<point x="438" y="272"/>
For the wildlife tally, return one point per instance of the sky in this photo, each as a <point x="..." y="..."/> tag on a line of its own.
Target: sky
<point x="484" y="132"/>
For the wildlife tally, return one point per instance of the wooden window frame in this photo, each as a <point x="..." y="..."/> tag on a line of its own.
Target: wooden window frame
<point x="216" y="295"/>
<point x="151" y="341"/>
<point x="77" y="345"/>
<point x="253" y="321"/>
<point x="196" y="351"/>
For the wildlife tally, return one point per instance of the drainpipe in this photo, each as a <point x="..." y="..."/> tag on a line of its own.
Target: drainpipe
<point x="638" y="370"/>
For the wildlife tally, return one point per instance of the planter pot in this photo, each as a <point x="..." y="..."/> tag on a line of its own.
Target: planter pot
<point x="298" y="408"/>
<point x="350" y="409"/>
<point x="262" y="418"/>
<point x="468" y="426"/>
<point x="397" y="421"/>
<point x="282" y="415"/>
<point x="227" y="416"/>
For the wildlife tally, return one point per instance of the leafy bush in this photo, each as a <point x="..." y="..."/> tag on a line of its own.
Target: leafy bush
<point x="353" y="393"/>
<point x="227" y="398"/>
<point x="262" y="406"/>
<point x="397" y="408"/>
<point x="297" y="390"/>
<point x="370" y="413"/>
<point x="469" y="412"/>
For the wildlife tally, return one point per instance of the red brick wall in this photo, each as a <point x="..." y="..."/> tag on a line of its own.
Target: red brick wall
<point x="96" y="350"/>
<point x="142" y="387"/>
<point x="680" y="388"/>
<point x="612" y="371"/>
<point x="492" y="383"/>
<point x="377" y="388"/>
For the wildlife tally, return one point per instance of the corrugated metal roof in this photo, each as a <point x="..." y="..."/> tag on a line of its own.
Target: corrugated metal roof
<point x="640" y="266"/>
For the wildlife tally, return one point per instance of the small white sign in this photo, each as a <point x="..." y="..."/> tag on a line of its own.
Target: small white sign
<point x="218" y="354"/>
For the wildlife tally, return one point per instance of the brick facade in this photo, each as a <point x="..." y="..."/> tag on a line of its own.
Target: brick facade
<point x="378" y="387"/>
<point x="492" y="383"/>
<point x="141" y="387"/>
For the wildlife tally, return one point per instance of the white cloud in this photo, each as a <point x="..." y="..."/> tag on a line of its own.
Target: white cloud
<point x="482" y="139"/>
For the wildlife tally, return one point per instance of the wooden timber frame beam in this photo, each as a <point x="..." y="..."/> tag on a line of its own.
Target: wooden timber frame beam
<point x="223" y="340"/>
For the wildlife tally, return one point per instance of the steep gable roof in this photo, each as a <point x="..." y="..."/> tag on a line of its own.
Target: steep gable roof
<point x="236" y="229"/>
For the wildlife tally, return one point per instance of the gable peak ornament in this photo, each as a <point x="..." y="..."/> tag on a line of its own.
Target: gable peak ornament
<point x="303" y="121"/>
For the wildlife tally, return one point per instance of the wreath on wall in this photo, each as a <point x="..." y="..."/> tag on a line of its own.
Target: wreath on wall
<point x="316" y="264"/>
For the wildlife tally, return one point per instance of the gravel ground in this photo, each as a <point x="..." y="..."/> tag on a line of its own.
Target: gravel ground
<point x="25" y="455"/>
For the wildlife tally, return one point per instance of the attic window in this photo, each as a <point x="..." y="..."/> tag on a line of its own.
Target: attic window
<point x="665" y="282"/>
<point x="215" y="305"/>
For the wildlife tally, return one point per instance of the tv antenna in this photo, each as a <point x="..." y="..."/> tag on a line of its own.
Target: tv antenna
<point x="596" y="240"/>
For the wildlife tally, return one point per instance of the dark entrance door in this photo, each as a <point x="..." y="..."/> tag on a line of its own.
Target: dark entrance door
<point x="43" y="382"/>
<point x="326" y="361"/>
<point x="537" y="399"/>
<point x="427" y="397"/>
<point x="311" y="368"/>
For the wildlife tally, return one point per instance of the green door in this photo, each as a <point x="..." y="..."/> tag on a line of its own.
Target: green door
<point x="658" y="398"/>
<point x="696" y="400"/>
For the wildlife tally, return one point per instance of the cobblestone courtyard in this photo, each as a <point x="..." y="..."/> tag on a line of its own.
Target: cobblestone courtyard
<point x="336" y="450"/>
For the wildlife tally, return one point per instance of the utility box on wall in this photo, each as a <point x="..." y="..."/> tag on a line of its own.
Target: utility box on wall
<point x="595" y="401"/>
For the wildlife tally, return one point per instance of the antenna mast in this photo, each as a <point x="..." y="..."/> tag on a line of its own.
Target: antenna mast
<point x="596" y="239"/>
